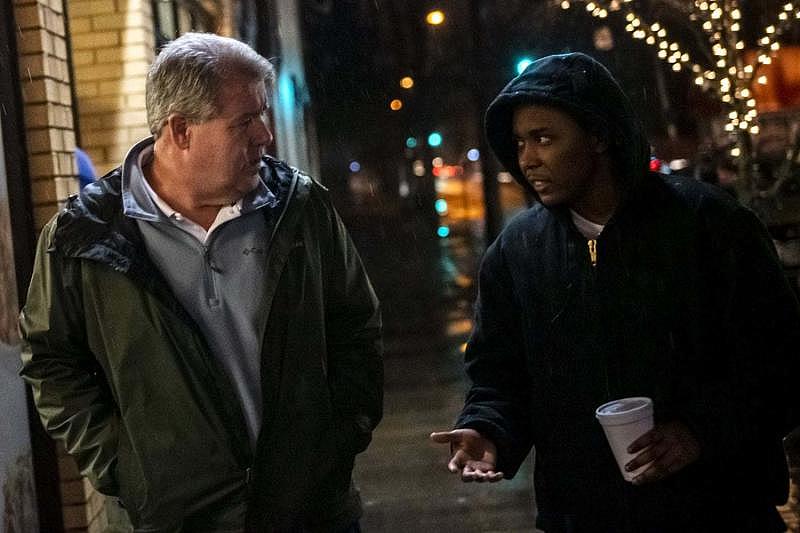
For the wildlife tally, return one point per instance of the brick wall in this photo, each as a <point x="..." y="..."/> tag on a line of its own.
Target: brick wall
<point x="112" y="47"/>
<point x="82" y="506"/>
<point x="47" y="104"/>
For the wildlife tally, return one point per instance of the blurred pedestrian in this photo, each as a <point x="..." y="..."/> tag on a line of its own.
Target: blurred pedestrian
<point x="715" y="166"/>
<point x="201" y="333"/>
<point x="86" y="171"/>
<point x="622" y="282"/>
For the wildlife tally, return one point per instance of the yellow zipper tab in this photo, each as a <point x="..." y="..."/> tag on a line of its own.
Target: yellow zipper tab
<point x="593" y="251"/>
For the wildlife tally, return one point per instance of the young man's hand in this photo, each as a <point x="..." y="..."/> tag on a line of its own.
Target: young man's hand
<point x="472" y="454"/>
<point x="667" y="447"/>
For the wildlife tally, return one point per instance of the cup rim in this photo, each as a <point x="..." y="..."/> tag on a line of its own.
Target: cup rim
<point x="623" y="417"/>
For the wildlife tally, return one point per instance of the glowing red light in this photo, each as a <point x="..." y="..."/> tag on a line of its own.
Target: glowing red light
<point x="655" y="164"/>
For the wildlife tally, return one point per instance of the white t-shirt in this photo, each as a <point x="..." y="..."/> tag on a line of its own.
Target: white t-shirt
<point x="588" y="229"/>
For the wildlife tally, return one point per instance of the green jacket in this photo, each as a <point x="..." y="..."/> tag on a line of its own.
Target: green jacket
<point x="124" y="378"/>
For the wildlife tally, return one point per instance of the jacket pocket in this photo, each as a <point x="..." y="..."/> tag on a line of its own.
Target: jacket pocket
<point x="131" y="480"/>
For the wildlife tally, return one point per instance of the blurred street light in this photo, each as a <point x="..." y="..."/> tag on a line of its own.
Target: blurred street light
<point x="523" y="63"/>
<point x="407" y="82"/>
<point x="435" y="17"/>
<point x="435" y="139"/>
<point x="396" y="104"/>
<point x="603" y="39"/>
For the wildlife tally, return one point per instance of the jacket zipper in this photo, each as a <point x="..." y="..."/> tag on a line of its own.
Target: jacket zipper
<point x="212" y="271"/>
<point x="592" y="243"/>
<point x="592" y="247"/>
<point x="248" y="472"/>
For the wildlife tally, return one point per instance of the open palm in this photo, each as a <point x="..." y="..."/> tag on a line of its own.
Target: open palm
<point x="473" y="455"/>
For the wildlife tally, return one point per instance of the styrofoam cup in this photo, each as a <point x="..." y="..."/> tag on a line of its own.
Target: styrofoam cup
<point x="624" y="421"/>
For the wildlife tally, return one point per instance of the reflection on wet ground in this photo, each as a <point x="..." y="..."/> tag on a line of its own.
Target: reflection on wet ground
<point x="426" y="286"/>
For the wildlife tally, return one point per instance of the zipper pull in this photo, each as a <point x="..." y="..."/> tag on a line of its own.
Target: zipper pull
<point x="209" y="261"/>
<point x="592" y="243"/>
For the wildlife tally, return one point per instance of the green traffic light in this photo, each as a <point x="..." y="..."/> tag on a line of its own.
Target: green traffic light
<point x="523" y="63"/>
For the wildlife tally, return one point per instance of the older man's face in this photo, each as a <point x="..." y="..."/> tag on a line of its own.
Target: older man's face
<point x="226" y="151"/>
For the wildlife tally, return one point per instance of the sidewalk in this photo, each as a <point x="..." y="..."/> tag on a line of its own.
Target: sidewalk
<point x="427" y="287"/>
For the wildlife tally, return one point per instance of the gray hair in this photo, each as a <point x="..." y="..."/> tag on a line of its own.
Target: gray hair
<point x="187" y="74"/>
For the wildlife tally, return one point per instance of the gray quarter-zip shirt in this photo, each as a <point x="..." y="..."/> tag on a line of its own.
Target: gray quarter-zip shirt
<point x="218" y="279"/>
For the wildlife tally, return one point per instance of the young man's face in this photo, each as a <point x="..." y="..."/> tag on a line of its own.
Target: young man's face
<point x="557" y="156"/>
<point x="227" y="149"/>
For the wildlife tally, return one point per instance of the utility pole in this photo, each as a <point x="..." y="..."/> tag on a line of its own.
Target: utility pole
<point x="493" y="215"/>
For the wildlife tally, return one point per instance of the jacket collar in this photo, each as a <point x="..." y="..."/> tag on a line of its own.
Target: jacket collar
<point x="100" y="223"/>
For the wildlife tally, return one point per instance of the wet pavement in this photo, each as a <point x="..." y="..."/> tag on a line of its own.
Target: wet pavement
<point x="427" y="288"/>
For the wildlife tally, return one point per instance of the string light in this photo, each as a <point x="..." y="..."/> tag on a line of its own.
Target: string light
<point x="728" y="76"/>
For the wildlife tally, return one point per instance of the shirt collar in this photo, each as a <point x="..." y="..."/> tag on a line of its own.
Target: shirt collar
<point x="140" y="201"/>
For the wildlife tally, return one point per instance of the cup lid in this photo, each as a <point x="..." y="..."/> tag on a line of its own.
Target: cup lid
<point x="624" y="410"/>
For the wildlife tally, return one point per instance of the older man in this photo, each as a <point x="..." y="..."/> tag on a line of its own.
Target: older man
<point x="201" y="333"/>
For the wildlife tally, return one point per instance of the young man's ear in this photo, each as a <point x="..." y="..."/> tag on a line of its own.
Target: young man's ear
<point x="178" y="129"/>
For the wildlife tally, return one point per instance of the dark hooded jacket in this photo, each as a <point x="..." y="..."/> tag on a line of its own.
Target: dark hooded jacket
<point x="687" y="304"/>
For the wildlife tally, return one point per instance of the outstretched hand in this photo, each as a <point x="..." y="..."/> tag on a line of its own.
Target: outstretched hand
<point x="667" y="447"/>
<point x="473" y="455"/>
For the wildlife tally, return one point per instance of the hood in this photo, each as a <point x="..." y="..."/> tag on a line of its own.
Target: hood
<point x="586" y="90"/>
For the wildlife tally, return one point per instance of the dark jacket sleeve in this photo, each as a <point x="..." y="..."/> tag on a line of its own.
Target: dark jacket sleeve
<point x="69" y="388"/>
<point x="497" y="403"/>
<point x="353" y="330"/>
<point x="752" y="405"/>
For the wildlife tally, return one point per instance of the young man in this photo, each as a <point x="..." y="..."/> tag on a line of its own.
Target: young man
<point x="201" y="333"/>
<point x="621" y="283"/>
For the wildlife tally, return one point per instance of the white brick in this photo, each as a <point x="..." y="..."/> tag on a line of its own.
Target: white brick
<point x="64" y="187"/>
